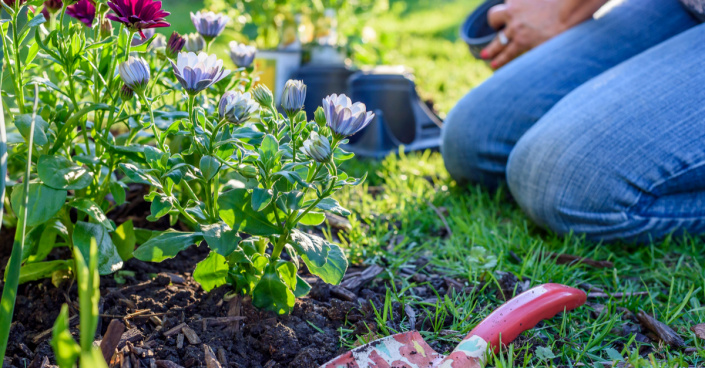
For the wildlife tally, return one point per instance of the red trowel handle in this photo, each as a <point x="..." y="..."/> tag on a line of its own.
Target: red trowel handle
<point x="516" y="316"/>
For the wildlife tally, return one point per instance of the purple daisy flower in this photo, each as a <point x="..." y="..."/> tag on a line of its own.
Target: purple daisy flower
<point x="209" y="25"/>
<point x="138" y="15"/>
<point x="83" y="11"/>
<point x="345" y="118"/>
<point x="198" y="72"/>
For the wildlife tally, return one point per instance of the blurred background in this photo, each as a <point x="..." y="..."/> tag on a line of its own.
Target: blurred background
<point x="419" y="34"/>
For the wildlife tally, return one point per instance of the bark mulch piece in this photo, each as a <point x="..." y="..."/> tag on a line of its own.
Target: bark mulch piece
<point x="665" y="333"/>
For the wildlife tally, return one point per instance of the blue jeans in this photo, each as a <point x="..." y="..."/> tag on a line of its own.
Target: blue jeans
<point x="599" y="131"/>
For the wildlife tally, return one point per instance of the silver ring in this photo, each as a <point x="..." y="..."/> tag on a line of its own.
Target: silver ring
<point x="502" y="38"/>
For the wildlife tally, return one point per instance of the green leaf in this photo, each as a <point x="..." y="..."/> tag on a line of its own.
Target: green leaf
<point x="614" y="355"/>
<point x="269" y="148"/>
<point x="221" y="238"/>
<point x="44" y="202"/>
<point x="41" y="270"/>
<point x="166" y="245"/>
<point x="125" y="240"/>
<point x="66" y="350"/>
<point x="109" y="260"/>
<point x="313" y="218"/>
<point x="211" y="272"/>
<point x="331" y="205"/>
<point x="59" y="172"/>
<point x="209" y="166"/>
<point x="47" y="240"/>
<point x="544" y="353"/>
<point x="287" y="273"/>
<point x="24" y="124"/>
<point x="140" y="176"/>
<point x="161" y="206"/>
<point x="93" y="358"/>
<point x="302" y="287"/>
<point x="92" y="210"/>
<point x="88" y="292"/>
<point x="334" y="269"/>
<point x="117" y="189"/>
<point x="311" y="248"/>
<point x="272" y="294"/>
<point x="236" y="210"/>
<point x="261" y="198"/>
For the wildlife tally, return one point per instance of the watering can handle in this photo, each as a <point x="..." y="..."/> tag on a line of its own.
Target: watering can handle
<point x="516" y="316"/>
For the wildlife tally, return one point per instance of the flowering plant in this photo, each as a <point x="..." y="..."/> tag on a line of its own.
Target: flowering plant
<point x="94" y="112"/>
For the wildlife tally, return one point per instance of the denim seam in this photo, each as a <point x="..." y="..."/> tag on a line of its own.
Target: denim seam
<point x="633" y="210"/>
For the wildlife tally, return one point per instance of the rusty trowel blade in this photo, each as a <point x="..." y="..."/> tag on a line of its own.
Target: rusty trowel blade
<point x="404" y="350"/>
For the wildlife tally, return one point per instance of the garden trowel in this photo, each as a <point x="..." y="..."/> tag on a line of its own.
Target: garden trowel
<point x="409" y="350"/>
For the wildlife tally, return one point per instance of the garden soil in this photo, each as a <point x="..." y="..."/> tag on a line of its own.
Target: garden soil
<point x="169" y="319"/>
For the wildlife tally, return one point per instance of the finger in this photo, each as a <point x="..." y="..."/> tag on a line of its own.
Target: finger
<point x="492" y="50"/>
<point x="508" y="54"/>
<point x="497" y="16"/>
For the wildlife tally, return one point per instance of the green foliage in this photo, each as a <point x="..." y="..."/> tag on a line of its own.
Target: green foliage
<point x="66" y="350"/>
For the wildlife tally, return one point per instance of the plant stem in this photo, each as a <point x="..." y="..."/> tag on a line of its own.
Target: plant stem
<point x="191" y="102"/>
<point x="214" y="135"/>
<point x="293" y="138"/>
<point x="156" y="78"/>
<point x="9" y="292"/>
<point x="3" y="153"/>
<point x="157" y="134"/>
<point x="16" y="53"/>
<point x="279" y="247"/>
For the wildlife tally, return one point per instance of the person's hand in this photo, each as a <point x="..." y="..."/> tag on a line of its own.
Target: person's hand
<point x="523" y="25"/>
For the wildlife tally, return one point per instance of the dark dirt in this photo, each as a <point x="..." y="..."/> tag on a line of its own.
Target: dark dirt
<point x="162" y="296"/>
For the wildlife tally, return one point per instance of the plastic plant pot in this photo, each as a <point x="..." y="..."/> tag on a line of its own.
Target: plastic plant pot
<point x="402" y="119"/>
<point x="476" y="30"/>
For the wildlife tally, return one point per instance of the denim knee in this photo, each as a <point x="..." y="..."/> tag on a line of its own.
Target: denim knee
<point x="564" y="190"/>
<point x="468" y="145"/>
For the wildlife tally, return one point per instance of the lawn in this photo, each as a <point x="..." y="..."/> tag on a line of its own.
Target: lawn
<point x="483" y="240"/>
<point x="488" y="236"/>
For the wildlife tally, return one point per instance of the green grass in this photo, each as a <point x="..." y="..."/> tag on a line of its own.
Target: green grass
<point x="485" y="229"/>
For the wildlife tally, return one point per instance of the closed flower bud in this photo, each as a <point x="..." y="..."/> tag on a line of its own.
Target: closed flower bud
<point x="106" y="28"/>
<point x="126" y="93"/>
<point x="53" y="5"/>
<point x="247" y="171"/>
<point x="236" y="107"/>
<point x="317" y="147"/>
<point x="319" y="117"/>
<point x="135" y="73"/>
<point x="194" y="42"/>
<point x="345" y="118"/>
<point x="294" y="96"/>
<point x="263" y="95"/>
<point x="174" y="45"/>
<point x="241" y="54"/>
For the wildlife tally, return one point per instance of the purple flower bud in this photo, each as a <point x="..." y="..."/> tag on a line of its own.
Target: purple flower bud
<point x="198" y="72"/>
<point x="237" y="107"/>
<point x="174" y="45"/>
<point x="317" y="147"/>
<point x="83" y="11"/>
<point x="126" y="93"/>
<point x="135" y="73"/>
<point x="106" y="29"/>
<point x="194" y="42"/>
<point x="294" y="96"/>
<point x="241" y="54"/>
<point x="209" y="25"/>
<point x="53" y="5"/>
<point x="345" y="118"/>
